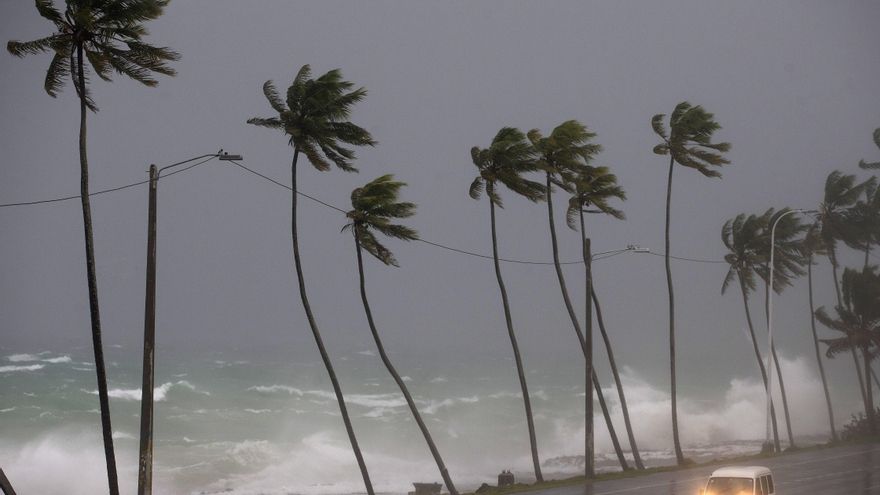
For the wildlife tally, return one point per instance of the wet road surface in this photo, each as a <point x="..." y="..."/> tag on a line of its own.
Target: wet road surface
<point x="848" y="470"/>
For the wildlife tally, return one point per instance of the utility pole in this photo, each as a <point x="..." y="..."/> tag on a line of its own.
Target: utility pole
<point x="589" y="468"/>
<point x="145" y="460"/>
<point x="145" y="456"/>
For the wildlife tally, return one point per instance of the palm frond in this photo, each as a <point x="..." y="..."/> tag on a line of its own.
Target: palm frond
<point x="476" y="189"/>
<point x="42" y="45"/>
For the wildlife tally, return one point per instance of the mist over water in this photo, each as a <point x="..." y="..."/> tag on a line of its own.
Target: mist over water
<point x="243" y="426"/>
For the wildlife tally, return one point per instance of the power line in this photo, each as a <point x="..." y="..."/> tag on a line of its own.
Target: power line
<point x="695" y="260"/>
<point x="597" y="256"/>
<point x="104" y="191"/>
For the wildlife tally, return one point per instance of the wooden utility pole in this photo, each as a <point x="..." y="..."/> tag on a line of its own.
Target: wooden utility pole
<point x="589" y="468"/>
<point x="145" y="458"/>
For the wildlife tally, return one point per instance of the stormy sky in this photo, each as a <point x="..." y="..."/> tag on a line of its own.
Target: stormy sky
<point x="793" y="84"/>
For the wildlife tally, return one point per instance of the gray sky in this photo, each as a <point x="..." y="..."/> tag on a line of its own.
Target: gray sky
<point x="794" y="85"/>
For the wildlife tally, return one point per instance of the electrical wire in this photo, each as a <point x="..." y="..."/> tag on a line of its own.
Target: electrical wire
<point x="105" y="191"/>
<point x="596" y="257"/>
<point x="435" y="244"/>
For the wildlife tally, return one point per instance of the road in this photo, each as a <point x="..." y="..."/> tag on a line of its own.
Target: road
<point x="848" y="470"/>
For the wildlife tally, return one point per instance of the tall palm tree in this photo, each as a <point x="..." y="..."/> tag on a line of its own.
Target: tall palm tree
<point x="561" y="156"/>
<point x="505" y="161"/>
<point x="858" y="318"/>
<point x="842" y="192"/>
<point x="688" y="143"/>
<point x="595" y="187"/>
<point x="742" y="236"/>
<point x="374" y="208"/>
<point x="788" y="264"/>
<point x="103" y="36"/>
<point x="314" y="115"/>
<point x="813" y="245"/>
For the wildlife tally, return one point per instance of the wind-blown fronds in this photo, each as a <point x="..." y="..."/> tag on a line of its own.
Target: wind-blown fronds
<point x="593" y="187"/>
<point x="689" y="139"/>
<point x="315" y="118"/>
<point x="505" y="161"/>
<point x="373" y="207"/>
<point x="564" y="152"/>
<point x="107" y="35"/>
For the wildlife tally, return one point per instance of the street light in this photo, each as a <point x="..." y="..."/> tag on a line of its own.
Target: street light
<point x="145" y="458"/>
<point x="770" y="316"/>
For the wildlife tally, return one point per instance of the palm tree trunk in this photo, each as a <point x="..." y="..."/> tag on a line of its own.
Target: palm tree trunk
<point x="816" y="345"/>
<point x="577" y="327"/>
<point x="589" y="442"/>
<point x="778" y="370"/>
<point x="397" y="379"/>
<point x="679" y="455"/>
<point x="533" y="442"/>
<point x="745" y="297"/>
<point x="316" y="333"/>
<point x="832" y="257"/>
<point x="869" y="397"/>
<point x="94" y="312"/>
<point x="620" y="395"/>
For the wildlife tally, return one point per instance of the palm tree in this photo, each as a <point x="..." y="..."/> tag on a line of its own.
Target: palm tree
<point x="688" y="143"/>
<point x="561" y="156"/>
<point x="505" y="161"/>
<point x="374" y="207"/>
<point x="742" y="236"/>
<point x="842" y="192"/>
<point x="594" y="187"/>
<point x="858" y="318"/>
<point x="788" y="264"/>
<point x="812" y="245"/>
<point x="108" y="34"/>
<point x="314" y="116"/>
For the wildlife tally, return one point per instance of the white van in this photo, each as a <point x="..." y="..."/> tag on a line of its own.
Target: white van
<point x="740" y="480"/>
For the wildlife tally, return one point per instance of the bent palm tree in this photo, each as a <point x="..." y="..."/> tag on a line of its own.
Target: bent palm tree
<point x="864" y="220"/>
<point x="594" y="187"/>
<point x="505" y="160"/>
<point x="742" y="237"/>
<point x="561" y="156"/>
<point x="314" y="116"/>
<point x="842" y="192"/>
<point x="109" y="35"/>
<point x="374" y="207"/>
<point x="688" y="143"/>
<point x="859" y="320"/>
<point x="813" y="245"/>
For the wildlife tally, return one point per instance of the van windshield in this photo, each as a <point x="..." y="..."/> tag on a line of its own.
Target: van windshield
<point x="729" y="486"/>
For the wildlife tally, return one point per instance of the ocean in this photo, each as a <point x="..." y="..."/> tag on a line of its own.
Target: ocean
<point x="269" y="423"/>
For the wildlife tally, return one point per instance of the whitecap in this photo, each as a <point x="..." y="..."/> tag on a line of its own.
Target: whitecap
<point x="30" y="367"/>
<point x="277" y="388"/>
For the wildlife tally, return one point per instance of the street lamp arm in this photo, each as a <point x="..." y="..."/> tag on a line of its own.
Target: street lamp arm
<point x="220" y="154"/>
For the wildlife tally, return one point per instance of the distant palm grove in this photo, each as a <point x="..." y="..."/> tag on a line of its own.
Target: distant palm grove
<point x="103" y="37"/>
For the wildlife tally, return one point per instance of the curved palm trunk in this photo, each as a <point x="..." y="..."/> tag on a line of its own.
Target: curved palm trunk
<point x="816" y="345"/>
<point x="869" y="397"/>
<point x="318" y="340"/>
<point x="397" y="379"/>
<point x="679" y="455"/>
<point x="577" y="329"/>
<point x="778" y="371"/>
<point x="832" y="257"/>
<point x="519" y="366"/>
<point x="589" y="423"/>
<point x="745" y="297"/>
<point x="94" y="312"/>
<point x="620" y="395"/>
